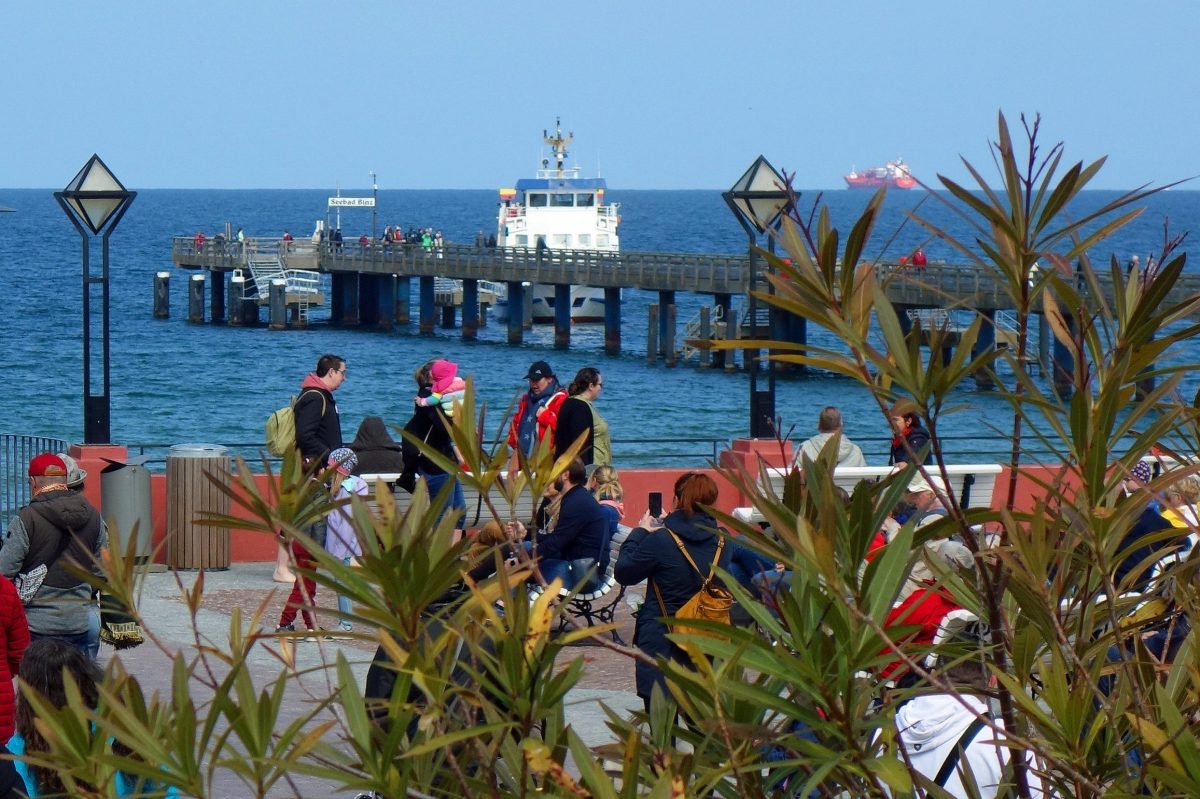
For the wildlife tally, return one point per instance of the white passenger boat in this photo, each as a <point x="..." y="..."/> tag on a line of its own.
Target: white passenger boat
<point x="558" y="210"/>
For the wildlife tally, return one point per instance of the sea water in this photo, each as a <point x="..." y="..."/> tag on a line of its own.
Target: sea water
<point x="175" y="382"/>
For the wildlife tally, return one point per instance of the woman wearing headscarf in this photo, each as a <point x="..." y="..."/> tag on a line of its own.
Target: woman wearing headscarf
<point x="578" y="417"/>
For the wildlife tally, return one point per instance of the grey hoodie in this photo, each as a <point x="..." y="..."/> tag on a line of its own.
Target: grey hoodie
<point x="848" y="452"/>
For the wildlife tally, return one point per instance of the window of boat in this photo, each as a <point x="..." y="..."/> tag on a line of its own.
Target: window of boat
<point x="601" y="239"/>
<point x="579" y="301"/>
<point x="562" y="200"/>
<point x="522" y="240"/>
<point x="585" y="239"/>
<point x="537" y="200"/>
<point x="585" y="200"/>
<point x="561" y="240"/>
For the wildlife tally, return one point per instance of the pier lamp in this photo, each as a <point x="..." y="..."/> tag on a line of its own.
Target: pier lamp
<point x="374" y="203"/>
<point x="758" y="199"/>
<point x="95" y="201"/>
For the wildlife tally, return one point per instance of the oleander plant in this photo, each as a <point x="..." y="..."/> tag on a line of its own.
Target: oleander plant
<point x="787" y="702"/>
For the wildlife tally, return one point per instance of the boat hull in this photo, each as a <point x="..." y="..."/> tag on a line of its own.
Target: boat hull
<point x="587" y="305"/>
<point x="874" y="183"/>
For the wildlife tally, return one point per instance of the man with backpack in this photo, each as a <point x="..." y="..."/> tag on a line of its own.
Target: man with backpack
<point x="318" y="426"/>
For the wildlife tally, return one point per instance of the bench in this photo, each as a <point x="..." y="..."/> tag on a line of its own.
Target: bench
<point x="973" y="484"/>
<point x="598" y="606"/>
<point x="477" y="511"/>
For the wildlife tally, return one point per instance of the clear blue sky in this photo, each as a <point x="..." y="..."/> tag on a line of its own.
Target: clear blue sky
<point x="660" y="95"/>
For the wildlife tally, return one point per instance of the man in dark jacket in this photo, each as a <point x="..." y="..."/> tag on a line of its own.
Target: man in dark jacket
<point x="58" y="528"/>
<point x="318" y="426"/>
<point x="581" y="531"/>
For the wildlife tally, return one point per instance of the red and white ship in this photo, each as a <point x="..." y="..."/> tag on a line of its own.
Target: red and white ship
<point x="893" y="173"/>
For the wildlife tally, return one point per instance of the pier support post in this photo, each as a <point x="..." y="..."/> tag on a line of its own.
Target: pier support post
<point x="470" y="310"/>
<point x="162" y="295"/>
<point x="337" y="299"/>
<point x="516" y="312"/>
<point x="732" y="332"/>
<point x="1063" y="375"/>
<point x="428" y="308"/>
<point x="368" y="298"/>
<point x="666" y="299"/>
<point x="652" y="335"/>
<point x="724" y="305"/>
<point x="527" y="306"/>
<point x="612" y="321"/>
<point x="985" y="343"/>
<point x="350" y="304"/>
<point x="705" y="336"/>
<point x="249" y="312"/>
<point x="562" y="316"/>
<point x="196" y="299"/>
<point x="278" y="305"/>
<point x="403" y="300"/>
<point x="385" y="307"/>
<point x="217" y="300"/>
<point x="449" y="312"/>
<point x="237" y="287"/>
<point x="669" y="337"/>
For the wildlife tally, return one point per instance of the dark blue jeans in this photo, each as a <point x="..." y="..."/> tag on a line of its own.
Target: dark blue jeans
<point x="458" y="502"/>
<point x="77" y="640"/>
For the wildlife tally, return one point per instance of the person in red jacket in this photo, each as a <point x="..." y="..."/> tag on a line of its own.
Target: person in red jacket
<point x="14" y="640"/>
<point x="537" y="412"/>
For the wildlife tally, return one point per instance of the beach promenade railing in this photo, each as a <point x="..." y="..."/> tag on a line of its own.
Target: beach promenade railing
<point x="15" y="453"/>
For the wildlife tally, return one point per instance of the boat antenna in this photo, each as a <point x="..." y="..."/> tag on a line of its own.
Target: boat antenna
<point x="559" y="143"/>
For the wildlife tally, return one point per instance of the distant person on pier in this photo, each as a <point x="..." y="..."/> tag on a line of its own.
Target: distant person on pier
<point x="287" y="241"/>
<point x="480" y="240"/>
<point x="829" y="425"/>
<point x="918" y="259"/>
<point x="907" y="430"/>
<point x="363" y="243"/>
<point x="578" y="417"/>
<point x="491" y="240"/>
<point x="241" y="240"/>
<point x="200" y="238"/>
<point x="58" y="530"/>
<point x="537" y="411"/>
<point x="336" y="238"/>
<point x="318" y="426"/>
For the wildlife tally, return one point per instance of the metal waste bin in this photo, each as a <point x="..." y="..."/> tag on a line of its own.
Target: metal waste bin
<point x="125" y="498"/>
<point x="190" y="493"/>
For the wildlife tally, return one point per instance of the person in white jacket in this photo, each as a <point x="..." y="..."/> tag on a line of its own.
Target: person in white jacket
<point x="829" y="424"/>
<point x="951" y="739"/>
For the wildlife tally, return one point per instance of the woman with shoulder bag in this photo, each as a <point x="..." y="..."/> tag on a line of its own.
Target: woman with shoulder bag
<point x="652" y="552"/>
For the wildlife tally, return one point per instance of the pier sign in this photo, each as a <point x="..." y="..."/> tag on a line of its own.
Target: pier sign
<point x="351" y="202"/>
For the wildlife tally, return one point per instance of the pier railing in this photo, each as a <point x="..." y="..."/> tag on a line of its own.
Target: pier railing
<point x="937" y="285"/>
<point x="15" y="453"/>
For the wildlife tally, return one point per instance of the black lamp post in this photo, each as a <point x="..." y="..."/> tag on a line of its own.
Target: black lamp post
<point x="97" y="200"/>
<point x="758" y="199"/>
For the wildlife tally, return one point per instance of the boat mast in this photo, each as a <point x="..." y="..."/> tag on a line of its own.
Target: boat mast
<point x="559" y="143"/>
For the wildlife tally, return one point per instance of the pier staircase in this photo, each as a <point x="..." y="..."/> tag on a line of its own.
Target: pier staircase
<point x="1006" y="338"/>
<point x="718" y="328"/>
<point x="303" y="288"/>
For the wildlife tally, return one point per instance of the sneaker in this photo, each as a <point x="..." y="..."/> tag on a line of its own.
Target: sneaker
<point x="286" y="628"/>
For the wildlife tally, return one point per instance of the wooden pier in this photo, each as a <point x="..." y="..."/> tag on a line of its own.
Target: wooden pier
<point x="372" y="285"/>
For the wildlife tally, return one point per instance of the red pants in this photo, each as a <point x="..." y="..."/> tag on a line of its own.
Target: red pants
<point x="304" y="591"/>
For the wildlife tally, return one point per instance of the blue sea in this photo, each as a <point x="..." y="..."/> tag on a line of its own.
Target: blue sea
<point x="175" y="382"/>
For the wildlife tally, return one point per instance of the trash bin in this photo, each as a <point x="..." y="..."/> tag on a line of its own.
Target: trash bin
<point x="125" y="498"/>
<point x="190" y="493"/>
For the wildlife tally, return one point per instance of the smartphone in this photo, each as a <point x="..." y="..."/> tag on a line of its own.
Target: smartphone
<point x="656" y="504"/>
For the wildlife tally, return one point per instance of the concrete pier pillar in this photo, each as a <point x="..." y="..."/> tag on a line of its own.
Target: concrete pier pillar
<point x="350" y="304"/>
<point x="562" y="316"/>
<point x="368" y="299"/>
<point x="724" y="306"/>
<point x="162" y="295"/>
<point x="449" y="316"/>
<point x="196" y="299"/>
<point x="470" y="310"/>
<point x="237" y="286"/>
<point x="403" y="300"/>
<point x="527" y="306"/>
<point x="428" y="311"/>
<point x="669" y="351"/>
<point x="385" y="314"/>
<point x="985" y="343"/>
<point x="652" y="335"/>
<point x="666" y="298"/>
<point x="217" y="300"/>
<point x="516" y="312"/>
<point x="612" y="321"/>
<point x="277" y="314"/>
<point x="705" y="335"/>
<point x="337" y="298"/>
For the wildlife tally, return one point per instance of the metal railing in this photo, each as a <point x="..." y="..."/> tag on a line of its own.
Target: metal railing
<point x="15" y="453"/>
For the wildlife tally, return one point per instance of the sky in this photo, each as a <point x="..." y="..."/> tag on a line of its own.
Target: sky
<point x="659" y="94"/>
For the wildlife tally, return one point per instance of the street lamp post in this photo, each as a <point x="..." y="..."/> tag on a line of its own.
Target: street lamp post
<point x="95" y="200"/>
<point x="758" y="199"/>
<point x="374" y="203"/>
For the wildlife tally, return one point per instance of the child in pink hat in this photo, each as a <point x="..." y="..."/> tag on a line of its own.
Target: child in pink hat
<point x="447" y="388"/>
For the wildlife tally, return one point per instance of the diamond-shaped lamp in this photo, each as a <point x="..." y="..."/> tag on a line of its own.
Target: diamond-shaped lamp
<point x="95" y="194"/>
<point x="758" y="197"/>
